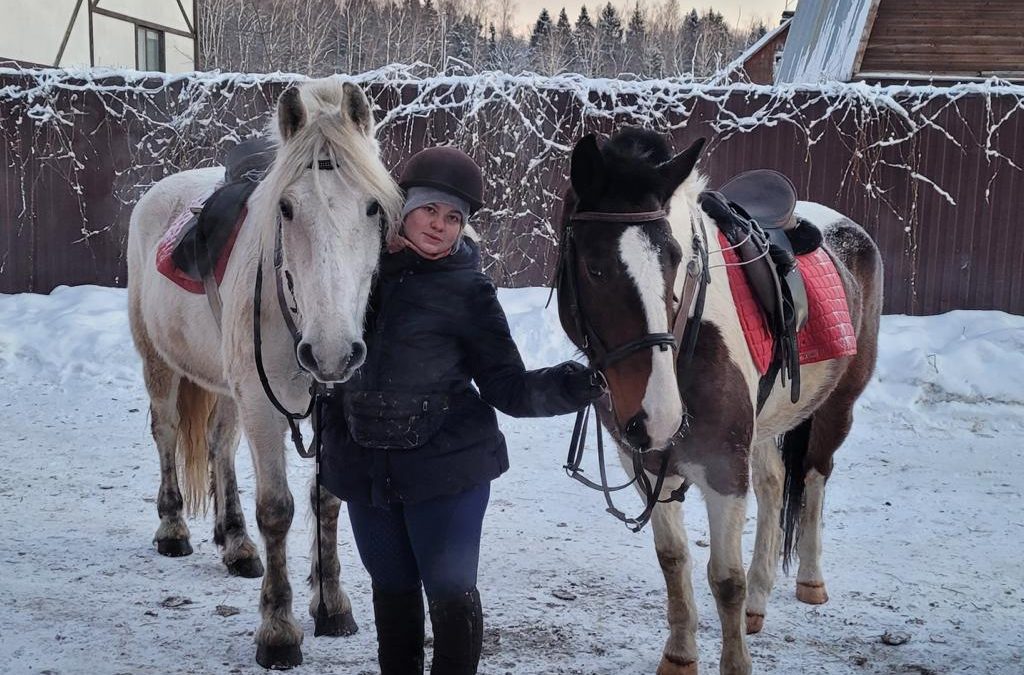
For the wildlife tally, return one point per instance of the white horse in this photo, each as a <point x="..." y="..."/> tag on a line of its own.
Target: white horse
<point x="320" y="199"/>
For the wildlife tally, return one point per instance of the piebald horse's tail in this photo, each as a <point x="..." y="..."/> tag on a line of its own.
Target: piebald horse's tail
<point x="794" y="451"/>
<point x="195" y="407"/>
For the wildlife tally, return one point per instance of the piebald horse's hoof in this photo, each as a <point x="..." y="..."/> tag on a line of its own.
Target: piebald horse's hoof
<point x="811" y="592"/>
<point x="755" y="623"/>
<point x="173" y="548"/>
<point x="250" y="568"/>
<point x="279" y="657"/>
<point x="671" y="667"/>
<point x="343" y="624"/>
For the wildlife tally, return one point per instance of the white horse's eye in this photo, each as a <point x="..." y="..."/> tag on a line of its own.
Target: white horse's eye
<point x="286" y="209"/>
<point x="373" y="208"/>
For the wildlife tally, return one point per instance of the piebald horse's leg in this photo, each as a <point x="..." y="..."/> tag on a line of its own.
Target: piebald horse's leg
<point x="768" y="474"/>
<point x="830" y="426"/>
<point x="279" y="637"/>
<point x="338" y="619"/>
<point x="240" y="554"/>
<point x="726" y="515"/>
<point x="810" y="582"/>
<point x="680" y="655"/>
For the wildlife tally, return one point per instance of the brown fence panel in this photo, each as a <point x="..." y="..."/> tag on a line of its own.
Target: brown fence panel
<point x="75" y="156"/>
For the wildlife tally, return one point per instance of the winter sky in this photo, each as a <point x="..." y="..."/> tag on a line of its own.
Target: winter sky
<point x="736" y="12"/>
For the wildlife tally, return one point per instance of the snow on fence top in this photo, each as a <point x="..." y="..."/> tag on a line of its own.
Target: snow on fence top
<point x="132" y="128"/>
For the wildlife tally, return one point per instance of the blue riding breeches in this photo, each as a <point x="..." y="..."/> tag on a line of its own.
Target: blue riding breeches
<point x="435" y="543"/>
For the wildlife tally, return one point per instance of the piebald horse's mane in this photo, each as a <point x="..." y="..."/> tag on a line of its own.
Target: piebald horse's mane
<point x="327" y="132"/>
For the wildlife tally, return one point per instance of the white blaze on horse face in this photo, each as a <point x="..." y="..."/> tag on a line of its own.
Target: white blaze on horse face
<point x="331" y="248"/>
<point x="661" y="402"/>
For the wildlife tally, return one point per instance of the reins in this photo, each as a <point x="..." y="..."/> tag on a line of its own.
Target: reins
<point x="682" y="339"/>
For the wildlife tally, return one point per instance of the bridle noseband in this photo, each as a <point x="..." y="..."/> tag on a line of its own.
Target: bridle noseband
<point x="682" y="339"/>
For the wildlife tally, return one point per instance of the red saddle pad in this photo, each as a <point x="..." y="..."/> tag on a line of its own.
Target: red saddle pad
<point x="828" y="333"/>
<point x="165" y="262"/>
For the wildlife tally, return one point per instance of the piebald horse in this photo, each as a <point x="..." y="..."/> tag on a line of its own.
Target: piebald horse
<point x="320" y="206"/>
<point x="624" y="268"/>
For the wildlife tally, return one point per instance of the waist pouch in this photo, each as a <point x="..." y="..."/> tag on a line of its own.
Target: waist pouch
<point x="394" y="420"/>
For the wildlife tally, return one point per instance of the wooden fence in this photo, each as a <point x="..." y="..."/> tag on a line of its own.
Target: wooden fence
<point x="934" y="175"/>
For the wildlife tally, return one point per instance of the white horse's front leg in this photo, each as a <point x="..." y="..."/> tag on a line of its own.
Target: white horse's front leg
<point x="768" y="474"/>
<point x="336" y="619"/>
<point x="726" y="514"/>
<point x="279" y="636"/>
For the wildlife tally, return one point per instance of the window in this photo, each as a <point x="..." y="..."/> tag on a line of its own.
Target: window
<point x="149" y="49"/>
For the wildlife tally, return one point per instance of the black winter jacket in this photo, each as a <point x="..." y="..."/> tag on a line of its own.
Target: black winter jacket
<point x="434" y="326"/>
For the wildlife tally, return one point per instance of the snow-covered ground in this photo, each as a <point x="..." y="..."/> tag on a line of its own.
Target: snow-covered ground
<point x="924" y="523"/>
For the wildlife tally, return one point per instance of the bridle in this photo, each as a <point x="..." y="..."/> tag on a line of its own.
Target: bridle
<point x="317" y="389"/>
<point x="682" y="339"/>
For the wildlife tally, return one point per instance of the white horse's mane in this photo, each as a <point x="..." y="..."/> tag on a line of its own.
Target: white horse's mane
<point x="328" y="132"/>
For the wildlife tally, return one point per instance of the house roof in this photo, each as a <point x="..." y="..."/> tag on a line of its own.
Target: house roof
<point x="825" y="39"/>
<point x="737" y="64"/>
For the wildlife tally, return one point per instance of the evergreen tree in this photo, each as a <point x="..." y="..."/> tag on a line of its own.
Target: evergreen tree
<point x="609" y="42"/>
<point x="585" y="38"/>
<point x="541" y="29"/>
<point x="636" y="43"/>
<point x="566" y="41"/>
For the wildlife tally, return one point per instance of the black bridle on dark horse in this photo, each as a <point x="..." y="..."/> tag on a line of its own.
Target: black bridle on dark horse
<point x="683" y="339"/>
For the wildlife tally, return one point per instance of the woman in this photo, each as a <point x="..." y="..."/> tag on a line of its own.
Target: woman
<point x="410" y="444"/>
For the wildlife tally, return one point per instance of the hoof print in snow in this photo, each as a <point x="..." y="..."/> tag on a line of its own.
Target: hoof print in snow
<point x="895" y="638"/>
<point x="176" y="602"/>
<point x="563" y="594"/>
<point x="226" y="610"/>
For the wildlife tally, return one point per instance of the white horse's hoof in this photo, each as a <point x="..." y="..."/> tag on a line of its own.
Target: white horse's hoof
<point x="755" y="623"/>
<point x="279" y="657"/>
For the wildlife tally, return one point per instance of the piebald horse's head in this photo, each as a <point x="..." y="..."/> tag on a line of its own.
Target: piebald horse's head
<point x="323" y="206"/>
<point x="618" y="271"/>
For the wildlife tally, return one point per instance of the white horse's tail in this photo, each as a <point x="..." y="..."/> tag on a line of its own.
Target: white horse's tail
<point x="195" y="406"/>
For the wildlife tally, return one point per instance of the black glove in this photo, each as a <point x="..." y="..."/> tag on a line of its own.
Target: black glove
<point x="582" y="384"/>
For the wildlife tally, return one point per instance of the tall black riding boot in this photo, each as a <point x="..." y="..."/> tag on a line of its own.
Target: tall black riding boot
<point x="458" y="634"/>
<point x="399" y="618"/>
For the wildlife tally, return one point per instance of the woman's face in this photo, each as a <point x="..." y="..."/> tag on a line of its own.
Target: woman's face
<point x="433" y="228"/>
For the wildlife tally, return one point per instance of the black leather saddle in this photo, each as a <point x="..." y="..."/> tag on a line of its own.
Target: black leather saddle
<point x="203" y="238"/>
<point x="756" y="213"/>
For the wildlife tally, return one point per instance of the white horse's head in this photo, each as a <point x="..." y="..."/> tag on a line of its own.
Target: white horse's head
<point x="328" y="194"/>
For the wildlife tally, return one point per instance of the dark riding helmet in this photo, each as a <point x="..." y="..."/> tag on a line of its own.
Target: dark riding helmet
<point x="448" y="169"/>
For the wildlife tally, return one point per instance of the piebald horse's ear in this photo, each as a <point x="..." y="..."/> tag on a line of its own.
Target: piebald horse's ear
<point x="587" y="174"/>
<point x="291" y="114"/>
<point x="357" y="107"/>
<point x="676" y="170"/>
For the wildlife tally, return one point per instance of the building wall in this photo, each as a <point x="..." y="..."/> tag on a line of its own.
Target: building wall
<point x="959" y="37"/>
<point x="760" y="67"/>
<point x="115" y="42"/>
<point x="32" y="31"/>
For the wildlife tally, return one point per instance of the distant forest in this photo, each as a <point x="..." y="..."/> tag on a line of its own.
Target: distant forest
<point x="651" y="39"/>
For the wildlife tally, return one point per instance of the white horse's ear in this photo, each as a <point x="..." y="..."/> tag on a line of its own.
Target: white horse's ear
<point x="357" y="107"/>
<point x="291" y="114"/>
